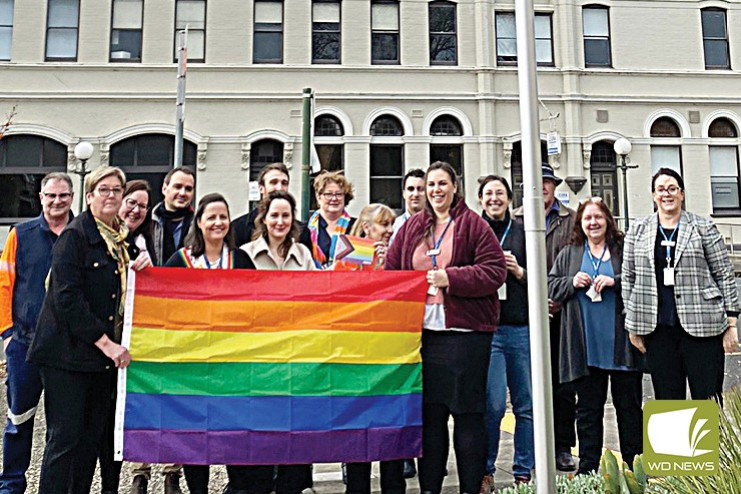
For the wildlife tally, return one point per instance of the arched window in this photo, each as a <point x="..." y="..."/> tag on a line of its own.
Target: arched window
<point x="24" y="160"/>
<point x="603" y="164"/>
<point x="517" y="169"/>
<point x="149" y="157"/>
<point x="442" y="148"/>
<point x="264" y="152"/>
<point x="327" y="125"/>
<point x="445" y="125"/>
<point x="328" y="132"/>
<point x="386" y="161"/>
<point x="667" y="155"/>
<point x="724" y="166"/>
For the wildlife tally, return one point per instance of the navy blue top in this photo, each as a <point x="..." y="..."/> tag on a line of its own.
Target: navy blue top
<point x="598" y="319"/>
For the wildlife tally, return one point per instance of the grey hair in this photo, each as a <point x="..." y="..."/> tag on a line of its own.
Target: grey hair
<point x="57" y="176"/>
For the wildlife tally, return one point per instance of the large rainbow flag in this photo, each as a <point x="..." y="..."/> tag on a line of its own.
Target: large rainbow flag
<point x="271" y="367"/>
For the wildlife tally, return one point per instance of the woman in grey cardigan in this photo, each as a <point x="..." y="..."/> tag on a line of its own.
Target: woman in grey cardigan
<point x="594" y="346"/>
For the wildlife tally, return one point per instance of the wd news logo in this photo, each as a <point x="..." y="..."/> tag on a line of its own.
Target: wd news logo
<point x="681" y="437"/>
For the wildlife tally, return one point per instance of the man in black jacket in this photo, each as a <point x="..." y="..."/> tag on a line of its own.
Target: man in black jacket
<point x="272" y="177"/>
<point x="171" y="218"/>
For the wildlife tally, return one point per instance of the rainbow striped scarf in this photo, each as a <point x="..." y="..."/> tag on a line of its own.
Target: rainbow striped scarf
<point x="320" y="260"/>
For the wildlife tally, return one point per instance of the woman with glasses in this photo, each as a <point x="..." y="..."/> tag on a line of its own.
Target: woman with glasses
<point x="136" y="212"/>
<point x="680" y="296"/>
<point x="333" y="194"/>
<point x="594" y="346"/>
<point x="77" y="341"/>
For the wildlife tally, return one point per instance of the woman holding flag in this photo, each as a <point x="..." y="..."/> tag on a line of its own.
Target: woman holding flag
<point x="465" y="267"/>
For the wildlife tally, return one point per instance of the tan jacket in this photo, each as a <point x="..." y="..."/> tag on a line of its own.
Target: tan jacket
<point x="558" y="234"/>
<point x="298" y="258"/>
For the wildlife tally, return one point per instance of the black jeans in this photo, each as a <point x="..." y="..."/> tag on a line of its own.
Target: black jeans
<point x="564" y="395"/>
<point x="469" y="441"/>
<point x="627" y="396"/>
<point x="255" y="479"/>
<point x="674" y="358"/>
<point x="77" y="405"/>
<point x="110" y="470"/>
<point x="392" y="477"/>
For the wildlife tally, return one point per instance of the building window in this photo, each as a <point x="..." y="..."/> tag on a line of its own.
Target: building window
<point x="507" y="39"/>
<point x="665" y="155"/>
<point x="149" y="157"/>
<point x="596" y="25"/>
<point x="516" y="161"/>
<point x="264" y="152"/>
<point x="386" y="161"/>
<point x="443" y="43"/>
<point x="268" y="41"/>
<point x="715" y="39"/>
<point x="63" y="18"/>
<point x="328" y="132"/>
<point x="603" y="168"/>
<point x="724" y="167"/>
<point x="126" y="31"/>
<point x="446" y="144"/>
<point x="446" y="126"/>
<point x="6" y="28"/>
<point x="385" y="32"/>
<point x="325" y="41"/>
<point x="192" y="13"/>
<point x="24" y="160"/>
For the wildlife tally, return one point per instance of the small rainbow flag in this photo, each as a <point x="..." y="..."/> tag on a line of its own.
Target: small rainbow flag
<point x="271" y="367"/>
<point x="354" y="250"/>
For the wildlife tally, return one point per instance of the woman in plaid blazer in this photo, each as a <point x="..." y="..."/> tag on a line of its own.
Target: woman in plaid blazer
<point x="679" y="293"/>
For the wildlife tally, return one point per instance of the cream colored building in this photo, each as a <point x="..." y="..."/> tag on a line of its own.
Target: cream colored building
<point x="402" y="82"/>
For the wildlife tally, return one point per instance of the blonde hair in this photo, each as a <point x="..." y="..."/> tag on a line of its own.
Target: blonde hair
<point x="325" y="178"/>
<point x="372" y="213"/>
<point x="101" y="173"/>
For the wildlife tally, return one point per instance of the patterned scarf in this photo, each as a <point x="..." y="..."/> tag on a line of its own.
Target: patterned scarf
<point x="320" y="260"/>
<point x="226" y="261"/>
<point x="115" y="241"/>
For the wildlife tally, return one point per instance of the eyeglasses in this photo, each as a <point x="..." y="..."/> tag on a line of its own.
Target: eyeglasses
<point x="332" y="195"/>
<point x="62" y="197"/>
<point x="131" y="204"/>
<point x="106" y="191"/>
<point x="595" y="199"/>
<point x="672" y="189"/>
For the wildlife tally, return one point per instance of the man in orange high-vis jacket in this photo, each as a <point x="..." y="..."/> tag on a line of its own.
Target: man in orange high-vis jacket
<point x="24" y="266"/>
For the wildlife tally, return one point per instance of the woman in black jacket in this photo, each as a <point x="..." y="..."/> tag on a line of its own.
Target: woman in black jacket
<point x="78" y="334"/>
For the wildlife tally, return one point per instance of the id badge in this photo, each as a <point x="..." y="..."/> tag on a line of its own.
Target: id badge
<point x="502" y="292"/>
<point x="432" y="290"/>
<point x="433" y="252"/>
<point x="668" y="276"/>
<point x="594" y="295"/>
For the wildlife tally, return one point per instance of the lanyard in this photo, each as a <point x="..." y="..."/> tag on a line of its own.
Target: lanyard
<point x="668" y="242"/>
<point x="595" y="264"/>
<point x="208" y="264"/>
<point x="436" y="245"/>
<point x="506" y="232"/>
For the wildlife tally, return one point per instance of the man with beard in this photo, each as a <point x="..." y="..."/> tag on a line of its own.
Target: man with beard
<point x="172" y="217"/>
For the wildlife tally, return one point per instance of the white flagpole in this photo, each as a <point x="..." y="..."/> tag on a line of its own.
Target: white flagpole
<point x="540" y="355"/>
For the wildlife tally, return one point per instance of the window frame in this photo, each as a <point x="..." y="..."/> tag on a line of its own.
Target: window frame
<point x="47" y="58"/>
<point x="255" y="31"/>
<point x="705" y="39"/>
<point x="726" y="210"/>
<point x="513" y="63"/>
<point x="586" y="38"/>
<point x="9" y="26"/>
<point x="315" y="32"/>
<point x="397" y="33"/>
<point x="141" y="37"/>
<point x="454" y="34"/>
<point x="326" y="141"/>
<point x="176" y="31"/>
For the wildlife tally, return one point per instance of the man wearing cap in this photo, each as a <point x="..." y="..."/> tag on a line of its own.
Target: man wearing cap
<point x="559" y="222"/>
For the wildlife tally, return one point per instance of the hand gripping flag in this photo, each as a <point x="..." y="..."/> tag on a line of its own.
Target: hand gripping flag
<point x="271" y="367"/>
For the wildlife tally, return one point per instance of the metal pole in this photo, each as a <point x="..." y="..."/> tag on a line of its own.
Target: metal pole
<point x="625" y="193"/>
<point x="545" y="461"/>
<point x="306" y="152"/>
<point x="83" y="172"/>
<point x="180" y="103"/>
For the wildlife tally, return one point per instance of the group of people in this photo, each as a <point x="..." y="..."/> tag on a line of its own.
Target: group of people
<point x="660" y="299"/>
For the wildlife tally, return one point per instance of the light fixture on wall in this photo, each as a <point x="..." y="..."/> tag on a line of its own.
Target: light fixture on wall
<point x="83" y="152"/>
<point x="576" y="183"/>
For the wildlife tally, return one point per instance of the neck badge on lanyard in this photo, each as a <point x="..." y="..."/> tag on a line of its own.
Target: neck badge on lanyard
<point x="592" y="293"/>
<point x="668" y="243"/>
<point x="434" y="252"/>
<point x="502" y="292"/>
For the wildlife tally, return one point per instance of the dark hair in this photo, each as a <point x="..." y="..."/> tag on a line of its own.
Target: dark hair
<point x="414" y="172"/>
<point x="135" y="186"/>
<point x="281" y="167"/>
<point x="613" y="236"/>
<point x="261" y="229"/>
<point x="195" y="239"/>
<point x="447" y="168"/>
<point x="494" y="178"/>
<point x="180" y="169"/>
<point x="669" y="172"/>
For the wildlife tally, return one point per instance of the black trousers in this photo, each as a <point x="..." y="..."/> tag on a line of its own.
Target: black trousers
<point x="110" y="470"/>
<point x="469" y="441"/>
<point x="255" y="479"/>
<point x="627" y="394"/>
<point x="392" y="478"/>
<point x="77" y="406"/>
<point x="564" y="395"/>
<point x="674" y="358"/>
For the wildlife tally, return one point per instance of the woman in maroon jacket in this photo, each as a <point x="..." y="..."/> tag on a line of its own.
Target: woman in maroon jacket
<point x="465" y="266"/>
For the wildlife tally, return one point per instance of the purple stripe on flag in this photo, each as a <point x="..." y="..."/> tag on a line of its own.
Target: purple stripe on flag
<point x="271" y="448"/>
